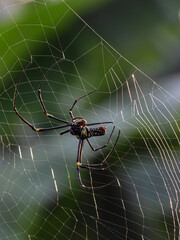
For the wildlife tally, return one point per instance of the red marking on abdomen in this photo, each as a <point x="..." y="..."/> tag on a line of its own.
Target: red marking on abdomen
<point x="103" y="128"/>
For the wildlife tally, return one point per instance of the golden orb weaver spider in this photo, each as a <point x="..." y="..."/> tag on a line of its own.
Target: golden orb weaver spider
<point x="78" y="127"/>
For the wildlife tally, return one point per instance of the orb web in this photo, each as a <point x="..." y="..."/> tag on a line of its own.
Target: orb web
<point x="40" y="194"/>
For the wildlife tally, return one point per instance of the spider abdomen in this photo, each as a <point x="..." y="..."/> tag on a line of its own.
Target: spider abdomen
<point x="92" y="132"/>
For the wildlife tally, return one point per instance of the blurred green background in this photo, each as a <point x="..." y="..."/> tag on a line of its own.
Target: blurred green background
<point x="145" y="33"/>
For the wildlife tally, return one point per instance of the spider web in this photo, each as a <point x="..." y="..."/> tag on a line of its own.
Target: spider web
<point x="40" y="194"/>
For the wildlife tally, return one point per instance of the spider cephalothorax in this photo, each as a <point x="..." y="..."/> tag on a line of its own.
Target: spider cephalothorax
<point x="80" y="129"/>
<point x="77" y="127"/>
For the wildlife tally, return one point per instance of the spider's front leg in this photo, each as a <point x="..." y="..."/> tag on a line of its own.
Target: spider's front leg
<point x="41" y="101"/>
<point x="70" y="110"/>
<point x="40" y="96"/>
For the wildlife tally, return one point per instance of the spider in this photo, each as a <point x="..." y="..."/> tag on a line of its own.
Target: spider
<point x="77" y="127"/>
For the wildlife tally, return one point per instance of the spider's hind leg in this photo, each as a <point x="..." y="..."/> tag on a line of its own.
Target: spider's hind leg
<point x="99" y="166"/>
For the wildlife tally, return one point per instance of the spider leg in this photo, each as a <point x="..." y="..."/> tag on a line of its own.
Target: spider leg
<point x="40" y="96"/>
<point x="70" y="110"/>
<point x="79" y="164"/>
<point x="65" y="132"/>
<point x="98" y="166"/>
<point x="99" y="123"/>
<point x="38" y="129"/>
<point x="103" y="146"/>
<point x="79" y="161"/>
<point x="22" y="118"/>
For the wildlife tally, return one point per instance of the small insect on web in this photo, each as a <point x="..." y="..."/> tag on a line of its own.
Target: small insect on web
<point x="78" y="127"/>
